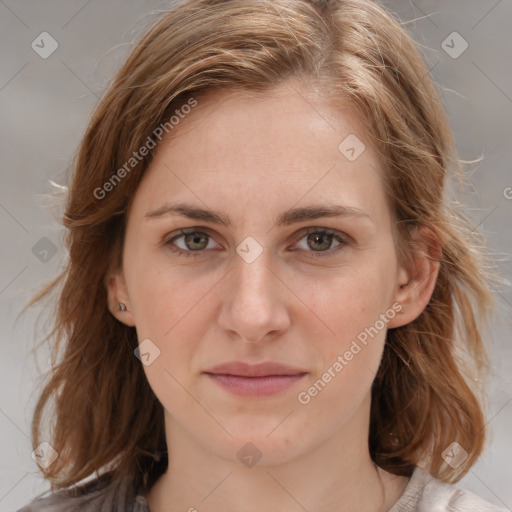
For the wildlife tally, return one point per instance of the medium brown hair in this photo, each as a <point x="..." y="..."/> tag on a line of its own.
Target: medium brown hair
<point x="353" y="53"/>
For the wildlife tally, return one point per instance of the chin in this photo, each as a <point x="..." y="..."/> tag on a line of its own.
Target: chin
<point x="261" y="444"/>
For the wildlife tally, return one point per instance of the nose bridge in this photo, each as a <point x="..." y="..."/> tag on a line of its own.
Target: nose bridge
<point x="253" y="302"/>
<point x="254" y="282"/>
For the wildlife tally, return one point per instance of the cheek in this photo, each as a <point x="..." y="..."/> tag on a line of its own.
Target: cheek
<point x="171" y="310"/>
<point x="351" y="303"/>
<point x="349" y="358"/>
<point x="346" y="302"/>
<point x="166" y="296"/>
<point x="174" y="310"/>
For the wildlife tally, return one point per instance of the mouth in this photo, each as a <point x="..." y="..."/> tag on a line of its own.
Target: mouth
<point x="262" y="379"/>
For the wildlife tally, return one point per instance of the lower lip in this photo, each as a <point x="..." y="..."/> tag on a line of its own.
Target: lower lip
<point x="255" y="386"/>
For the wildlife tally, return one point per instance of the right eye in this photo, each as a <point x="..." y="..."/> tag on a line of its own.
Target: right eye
<point x="194" y="242"/>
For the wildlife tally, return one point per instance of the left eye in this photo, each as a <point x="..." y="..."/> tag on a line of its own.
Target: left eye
<point x="195" y="242"/>
<point x="321" y="240"/>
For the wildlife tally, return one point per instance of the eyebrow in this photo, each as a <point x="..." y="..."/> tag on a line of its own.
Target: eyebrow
<point x="289" y="217"/>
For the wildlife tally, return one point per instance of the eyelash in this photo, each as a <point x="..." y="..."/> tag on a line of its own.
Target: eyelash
<point x="168" y="241"/>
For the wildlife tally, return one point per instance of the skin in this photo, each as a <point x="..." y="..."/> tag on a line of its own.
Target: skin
<point x="253" y="157"/>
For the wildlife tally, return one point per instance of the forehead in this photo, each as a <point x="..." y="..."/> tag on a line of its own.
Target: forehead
<point x="265" y="150"/>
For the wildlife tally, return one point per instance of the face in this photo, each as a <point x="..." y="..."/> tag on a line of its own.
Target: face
<point x="261" y="282"/>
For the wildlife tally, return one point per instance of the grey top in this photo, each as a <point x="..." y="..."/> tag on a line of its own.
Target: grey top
<point x="422" y="494"/>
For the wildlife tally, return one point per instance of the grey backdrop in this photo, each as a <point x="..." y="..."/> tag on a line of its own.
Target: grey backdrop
<point x="45" y="103"/>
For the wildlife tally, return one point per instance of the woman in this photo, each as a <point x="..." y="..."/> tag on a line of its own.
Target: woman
<point x="266" y="284"/>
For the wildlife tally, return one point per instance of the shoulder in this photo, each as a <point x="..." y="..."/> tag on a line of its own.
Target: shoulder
<point x="425" y="493"/>
<point x="81" y="498"/>
<point x="98" y="495"/>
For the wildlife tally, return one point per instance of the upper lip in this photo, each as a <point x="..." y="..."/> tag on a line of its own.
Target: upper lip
<point x="254" y="370"/>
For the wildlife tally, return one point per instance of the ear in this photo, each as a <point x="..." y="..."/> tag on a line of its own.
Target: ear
<point x="117" y="295"/>
<point x="416" y="284"/>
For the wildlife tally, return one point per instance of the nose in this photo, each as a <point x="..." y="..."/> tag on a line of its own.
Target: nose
<point x="254" y="301"/>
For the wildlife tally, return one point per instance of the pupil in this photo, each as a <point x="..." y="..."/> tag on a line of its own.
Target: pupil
<point x="196" y="239"/>
<point x="319" y="236"/>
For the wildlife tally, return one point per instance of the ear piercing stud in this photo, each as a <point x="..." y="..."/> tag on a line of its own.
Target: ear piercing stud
<point x="122" y="307"/>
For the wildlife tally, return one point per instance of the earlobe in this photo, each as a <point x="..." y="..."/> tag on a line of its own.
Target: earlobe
<point x="118" y="300"/>
<point x="416" y="285"/>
